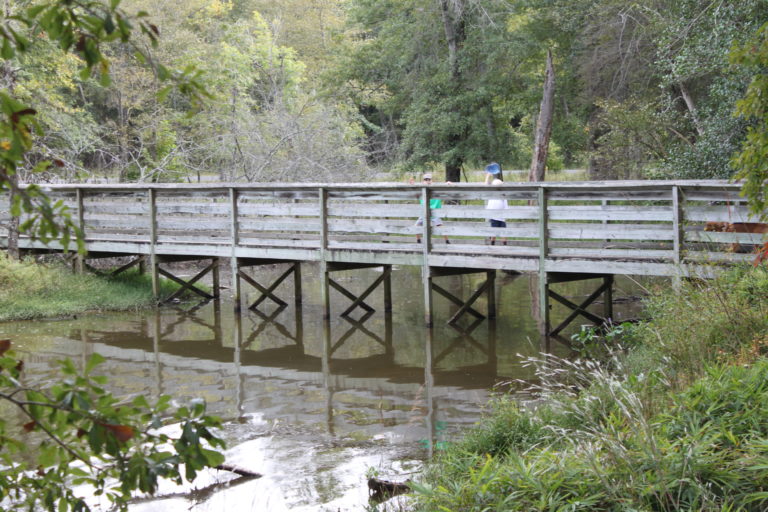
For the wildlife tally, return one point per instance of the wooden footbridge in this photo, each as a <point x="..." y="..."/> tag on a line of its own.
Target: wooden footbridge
<point x="561" y="231"/>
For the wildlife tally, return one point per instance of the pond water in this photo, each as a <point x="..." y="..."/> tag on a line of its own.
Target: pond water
<point x="314" y="406"/>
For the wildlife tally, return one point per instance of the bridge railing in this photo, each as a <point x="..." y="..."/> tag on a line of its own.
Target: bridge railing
<point x="653" y="221"/>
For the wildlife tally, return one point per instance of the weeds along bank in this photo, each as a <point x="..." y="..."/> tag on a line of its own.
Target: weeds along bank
<point x="674" y="416"/>
<point x="30" y="290"/>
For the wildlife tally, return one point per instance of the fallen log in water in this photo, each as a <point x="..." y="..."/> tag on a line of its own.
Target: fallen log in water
<point x="382" y="490"/>
<point x="239" y="470"/>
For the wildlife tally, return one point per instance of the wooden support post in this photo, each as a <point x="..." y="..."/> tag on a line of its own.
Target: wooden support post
<point x="543" y="246"/>
<point x="325" y="289"/>
<point x="426" y="281"/>
<point x="490" y="279"/>
<point x="152" y="241"/>
<point x="608" y="298"/>
<point x="216" y="278"/>
<point x="297" y="298"/>
<point x="388" y="289"/>
<point x="234" y="237"/>
<point x="388" y="347"/>
<point x="325" y="278"/>
<point x="218" y="331"/>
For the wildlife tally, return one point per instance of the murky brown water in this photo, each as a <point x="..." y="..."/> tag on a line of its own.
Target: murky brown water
<point x="313" y="409"/>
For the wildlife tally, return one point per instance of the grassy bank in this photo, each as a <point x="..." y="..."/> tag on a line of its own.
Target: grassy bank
<point x="674" y="416"/>
<point x="29" y="290"/>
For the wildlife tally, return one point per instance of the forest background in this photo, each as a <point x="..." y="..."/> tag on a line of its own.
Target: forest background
<point x="344" y="90"/>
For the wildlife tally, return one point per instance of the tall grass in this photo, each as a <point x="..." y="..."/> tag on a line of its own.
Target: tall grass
<point x="674" y="418"/>
<point x="29" y="290"/>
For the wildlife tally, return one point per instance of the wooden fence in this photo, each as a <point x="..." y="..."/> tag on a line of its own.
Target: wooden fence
<point x="627" y="227"/>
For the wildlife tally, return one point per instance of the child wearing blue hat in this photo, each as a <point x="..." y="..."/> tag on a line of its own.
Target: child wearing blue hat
<point x="492" y="171"/>
<point x="493" y="177"/>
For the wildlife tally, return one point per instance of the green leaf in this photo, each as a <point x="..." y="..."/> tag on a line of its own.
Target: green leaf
<point x="141" y="401"/>
<point x="162" y="72"/>
<point x="68" y="367"/>
<point x="95" y="360"/>
<point x="33" y="11"/>
<point x="213" y="457"/>
<point x="7" y="51"/>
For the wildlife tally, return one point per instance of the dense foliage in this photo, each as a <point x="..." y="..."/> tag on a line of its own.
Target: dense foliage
<point x="673" y="418"/>
<point x="752" y="162"/>
<point x="78" y="440"/>
<point x="321" y="89"/>
<point x="643" y="89"/>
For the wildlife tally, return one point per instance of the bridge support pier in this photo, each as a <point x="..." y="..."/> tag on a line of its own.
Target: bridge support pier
<point x="605" y="289"/>
<point x="488" y="287"/>
<point x="213" y="267"/>
<point x="267" y="292"/>
<point x="358" y="301"/>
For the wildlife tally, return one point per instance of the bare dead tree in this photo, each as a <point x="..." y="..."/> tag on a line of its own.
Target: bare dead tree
<point x="543" y="125"/>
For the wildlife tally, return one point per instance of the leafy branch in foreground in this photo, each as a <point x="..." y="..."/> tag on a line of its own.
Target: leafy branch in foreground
<point x="752" y="161"/>
<point x="84" y="28"/>
<point x="76" y="435"/>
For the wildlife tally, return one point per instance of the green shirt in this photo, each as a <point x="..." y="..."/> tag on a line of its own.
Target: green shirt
<point x="434" y="204"/>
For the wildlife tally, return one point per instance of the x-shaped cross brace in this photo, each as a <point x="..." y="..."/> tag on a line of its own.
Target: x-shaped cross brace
<point x="464" y="307"/>
<point x="188" y="285"/>
<point x="266" y="293"/>
<point x="580" y="309"/>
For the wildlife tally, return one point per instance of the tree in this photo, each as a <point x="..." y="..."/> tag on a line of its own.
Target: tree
<point x="543" y="126"/>
<point x="82" y="28"/>
<point x="433" y="80"/>
<point x="88" y="436"/>
<point x="74" y="433"/>
<point x="752" y="161"/>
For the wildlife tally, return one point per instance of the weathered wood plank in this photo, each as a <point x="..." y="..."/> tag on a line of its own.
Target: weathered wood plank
<point x="722" y="213"/>
<point x="724" y="237"/>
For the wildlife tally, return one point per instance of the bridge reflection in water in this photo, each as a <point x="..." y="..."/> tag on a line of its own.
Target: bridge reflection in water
<point x="313" y="402"/>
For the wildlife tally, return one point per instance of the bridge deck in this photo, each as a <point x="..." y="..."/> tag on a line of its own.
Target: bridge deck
<point x="619" y="227"/>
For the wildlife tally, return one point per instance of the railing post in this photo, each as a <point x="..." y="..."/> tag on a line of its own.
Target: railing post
<point x="426" y="241"/>
<point x="678" y="235"/>
<point x="325" y="289"/>
<point x="543" y="248"/>
<point x="152" y="242"/>
<point x="80" y="261"/>
<point x="426" y="215"/>
<point x="235" y="240"/>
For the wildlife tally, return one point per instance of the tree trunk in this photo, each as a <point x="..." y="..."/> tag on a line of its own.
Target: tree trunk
<point x="453" y="23"/>
<point x="543" y="125"/>
<point x="453" y="171"/>
<point x="691" y="108"/>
